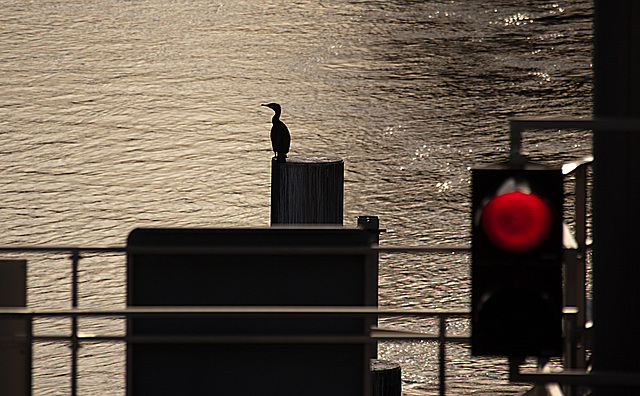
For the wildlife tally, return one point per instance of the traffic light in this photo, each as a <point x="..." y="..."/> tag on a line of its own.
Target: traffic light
<point x="516" y="268"/>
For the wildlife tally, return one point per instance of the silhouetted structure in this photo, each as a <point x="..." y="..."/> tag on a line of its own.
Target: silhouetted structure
<point x="616" y="188"/>
<point x="307" y="190"/>
<point x="15" y="346"/>
<point x="280" y="137"/>
<point x="248" y="354"/>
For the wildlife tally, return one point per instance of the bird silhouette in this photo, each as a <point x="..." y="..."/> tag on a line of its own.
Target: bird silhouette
<point x="280" y="137"/>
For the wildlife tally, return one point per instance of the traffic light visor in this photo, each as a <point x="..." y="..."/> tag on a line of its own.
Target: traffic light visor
<point x="517" y="221"/>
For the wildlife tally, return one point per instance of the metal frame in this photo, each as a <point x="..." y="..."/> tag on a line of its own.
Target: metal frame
<point x="575" y="320"/>
<point x="575" y="328"/>
<point x="519" y="125"/>
<point x="573" y="317"/>
<point x="377" y="334"/>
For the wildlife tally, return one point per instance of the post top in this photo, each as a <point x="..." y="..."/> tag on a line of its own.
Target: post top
<point x="313" y="160"/>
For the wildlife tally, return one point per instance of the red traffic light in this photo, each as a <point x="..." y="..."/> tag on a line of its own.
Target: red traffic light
<point x="517" y="221"/>
<point x="516" y="260"/>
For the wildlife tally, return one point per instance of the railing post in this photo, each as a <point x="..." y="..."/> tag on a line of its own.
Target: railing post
<point x="75" y="258"/>
<point x="29" y="357"/>
<point x="442" y="363"/>
<point x="372" y="225"/>
<point x="575" y="282"/>
<point x="74" y="340"/>
<point x="581" y="236"/>
<point x="15" y="346"/>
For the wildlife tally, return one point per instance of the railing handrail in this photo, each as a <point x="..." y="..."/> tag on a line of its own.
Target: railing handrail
<point x="136" y="311"/>
<point x="74" y="313"/>
<point x="231" y="250"/>
<point x="63" y="249"/>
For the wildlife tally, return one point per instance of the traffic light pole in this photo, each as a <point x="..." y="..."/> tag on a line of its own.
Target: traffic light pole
<point x="574" y="296"/>
<point x="616" y="204"/>
<point x="616" y="192"/>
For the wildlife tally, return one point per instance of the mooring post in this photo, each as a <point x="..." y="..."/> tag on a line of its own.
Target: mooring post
<point x="386" y="378"/>
<point x="307" y="190"/>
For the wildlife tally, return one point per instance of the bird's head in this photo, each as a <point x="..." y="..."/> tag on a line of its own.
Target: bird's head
<point x="273" y="106"/>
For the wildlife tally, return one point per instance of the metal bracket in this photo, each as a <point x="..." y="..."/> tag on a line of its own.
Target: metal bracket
<point x="576" y="377"/>
<point x="518" y="125"/>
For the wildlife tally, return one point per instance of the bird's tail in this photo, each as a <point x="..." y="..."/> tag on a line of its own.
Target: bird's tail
<point x="281" y="157"/>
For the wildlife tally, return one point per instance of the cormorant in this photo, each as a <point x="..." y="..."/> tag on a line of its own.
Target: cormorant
<point x="280" y="137"/>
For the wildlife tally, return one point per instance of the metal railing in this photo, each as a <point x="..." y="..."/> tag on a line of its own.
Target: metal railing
<point x="377" y="334"/>
<point x="576" y="371"/>
<point x="575" y="320"/>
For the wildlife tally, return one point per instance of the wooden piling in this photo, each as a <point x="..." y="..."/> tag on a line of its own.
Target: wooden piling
<point x="307" y="190"/>
<point x="386" y="378"/>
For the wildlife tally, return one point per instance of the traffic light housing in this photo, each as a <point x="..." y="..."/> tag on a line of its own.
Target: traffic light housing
<point x="516" y="268"/>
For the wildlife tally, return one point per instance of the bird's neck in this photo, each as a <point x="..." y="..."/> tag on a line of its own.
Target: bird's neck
<point x="276" y="117"/>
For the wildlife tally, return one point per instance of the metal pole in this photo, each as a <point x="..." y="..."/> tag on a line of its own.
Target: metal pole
<point x="515" y="145"/>
<point x="580" y="270"/>
<point x="75" y="258"/>
<point x="30" y="355"/>
<point x="575" y="281"/>
<point x="616" y="188"/>
<point x="442" y="363"/>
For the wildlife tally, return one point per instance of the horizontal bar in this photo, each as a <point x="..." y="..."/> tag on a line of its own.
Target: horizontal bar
<point x="579" y="378"/>
<point x="239" y="250"/>
<point x="518" y="125"/>
<point x="422" y="249"/>
<point x="63" y="249"/>
<point x="193" y="250"/>
<point x="593" y="124"/>
<point x="220" y="339"/>
<point x="244" y="250"/>
<point x="139" y="311"/>
<point x="377" y="334"/>
<point x="249" y="339"/>
<point x="229" y="310"/>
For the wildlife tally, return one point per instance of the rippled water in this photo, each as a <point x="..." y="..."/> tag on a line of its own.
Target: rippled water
<point x="118" y="114"/>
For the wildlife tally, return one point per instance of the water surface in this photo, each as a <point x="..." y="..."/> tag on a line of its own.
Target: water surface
<point x="120" y="114"/>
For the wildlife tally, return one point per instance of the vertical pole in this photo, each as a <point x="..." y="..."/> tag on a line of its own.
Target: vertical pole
<point x="616" y="188"/>
<point x="580" y="262"/>
<point x="442" y="353"/>
<point x="372" y="224"/>
<point x="515" y="145"/>
<point x="29" y="355"/>
<point x="15" y="353"/>
<point x="75" y="258"/>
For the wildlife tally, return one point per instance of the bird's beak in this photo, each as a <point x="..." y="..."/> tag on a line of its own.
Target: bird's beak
<point x="264" y="105"/>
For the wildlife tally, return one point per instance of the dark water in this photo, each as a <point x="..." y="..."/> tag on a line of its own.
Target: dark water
<point x="118" y="114"/>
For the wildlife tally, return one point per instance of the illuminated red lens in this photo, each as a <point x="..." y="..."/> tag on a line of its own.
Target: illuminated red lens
<point x="517" y="222"/>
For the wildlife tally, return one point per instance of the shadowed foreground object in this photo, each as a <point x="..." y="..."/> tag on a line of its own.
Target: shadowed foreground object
<point x="307" y="190"/>
<point x="280" y="137"/>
